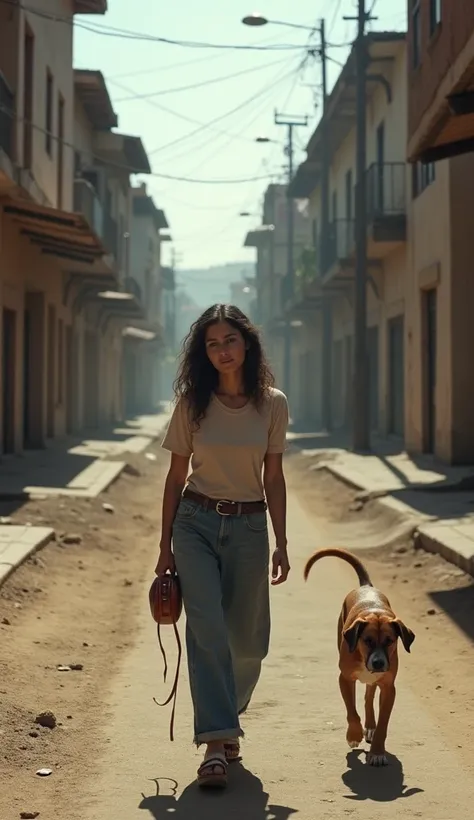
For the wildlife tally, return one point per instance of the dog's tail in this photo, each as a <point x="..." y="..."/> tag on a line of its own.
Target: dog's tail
<point x="362" y="574"/>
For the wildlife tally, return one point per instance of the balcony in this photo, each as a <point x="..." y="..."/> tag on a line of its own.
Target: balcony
<point x="7" y="109"/>
<point x="87" y="202"/>
<point x="111" y="236"/>
<point x="339" y="246"/>
<point x="386" y="207"/>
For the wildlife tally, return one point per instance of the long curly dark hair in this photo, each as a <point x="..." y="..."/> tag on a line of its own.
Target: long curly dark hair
<point x="197" y="377"/>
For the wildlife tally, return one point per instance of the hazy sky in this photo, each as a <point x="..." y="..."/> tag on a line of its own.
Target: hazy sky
<point x="204" y="218"/>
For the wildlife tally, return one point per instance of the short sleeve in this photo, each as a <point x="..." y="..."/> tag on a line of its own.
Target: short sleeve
<point x="178" y="437"/>
<point x="278" y="424"/>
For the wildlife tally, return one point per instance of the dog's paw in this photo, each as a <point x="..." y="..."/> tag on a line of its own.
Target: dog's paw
<point x="377" y="760"/>
<point x="369" y="735"/>
<point x="355" y="735"/>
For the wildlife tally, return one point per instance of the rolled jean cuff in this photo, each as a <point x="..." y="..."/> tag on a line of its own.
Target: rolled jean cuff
<point x="221" y="734"/>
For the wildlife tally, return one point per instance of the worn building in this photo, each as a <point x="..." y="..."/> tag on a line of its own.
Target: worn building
<point x="42" y="242"/>
<point x="144" y="342"/>
<point x="440" y="293"/>
<point x="64" y="231"/>
<point x="271" y="242"/>
<point x="441" y="69"/>
<point x="326" y="276"/>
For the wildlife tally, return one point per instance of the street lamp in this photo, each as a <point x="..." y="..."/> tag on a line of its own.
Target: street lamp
<point x="255" y="20"/>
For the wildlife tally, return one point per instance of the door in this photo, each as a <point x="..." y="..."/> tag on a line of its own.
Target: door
<point x="70" y="380"/>
<point x="337" y="385"/>
<point x="51" y="356"/>
<point x="380" y="154"/>
<point x="373" y="354"/>
<point x="430" y="314"/>
<point x="26" y="377"/>
<point x="348" y="381"/>
<point x="396" y="384"/>
<point x="8" y="362"/>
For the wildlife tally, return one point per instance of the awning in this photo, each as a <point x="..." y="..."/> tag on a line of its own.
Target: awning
<point x="56" y="233"/>
<point x="123" y="150"/>
<point x="139" y="334"/>
<point x="258" y="235"/>
<point x="90" y="88"/>
<point x="305" y="180"/>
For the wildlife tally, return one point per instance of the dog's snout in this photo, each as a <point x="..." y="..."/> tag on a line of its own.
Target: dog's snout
<point x="378" y="662"/>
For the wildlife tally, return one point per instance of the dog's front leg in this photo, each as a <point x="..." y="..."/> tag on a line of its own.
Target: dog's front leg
<point x="377" y="756"/>
<point x="370" y="722"/>
<point x="355" y="733"/>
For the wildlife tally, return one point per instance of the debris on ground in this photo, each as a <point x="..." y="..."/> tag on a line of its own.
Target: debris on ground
<point x="46" y="719"/>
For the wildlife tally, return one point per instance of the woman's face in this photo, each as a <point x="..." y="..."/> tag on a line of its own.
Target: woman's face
<point x="225" y="347"/>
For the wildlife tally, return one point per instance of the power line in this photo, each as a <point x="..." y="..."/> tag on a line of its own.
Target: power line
<point x="202" y="84"/>
<point x="128" y="168"/>
<point x="128" y="34"/>
<point x="171" y="67"/>
<point x="219" y="118"/>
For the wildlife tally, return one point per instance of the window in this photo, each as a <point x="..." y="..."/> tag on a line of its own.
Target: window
<point x="416" y="32"/>
<point x="435" y="14"/>
<point x="60" y="171"/>
<point x="334" y="206"/>
<point x="28" y="70"/>
<point x="423" y="175"/>
<point x="49" y="113"/>
<point x="349" y="194"/>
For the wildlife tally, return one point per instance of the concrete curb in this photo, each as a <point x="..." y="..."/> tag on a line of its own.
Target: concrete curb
<point x="427" y="532"/>
<point x="17" y="551"/>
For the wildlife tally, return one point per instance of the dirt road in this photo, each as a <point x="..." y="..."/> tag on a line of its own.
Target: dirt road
<point x="110" y="755"/>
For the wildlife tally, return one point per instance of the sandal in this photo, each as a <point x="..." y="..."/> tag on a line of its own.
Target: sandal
<point x="212" y="772"/>
<point x="232" y="751"/>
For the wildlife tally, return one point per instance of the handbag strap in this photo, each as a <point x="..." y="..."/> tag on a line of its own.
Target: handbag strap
<point x="174" y="690"/>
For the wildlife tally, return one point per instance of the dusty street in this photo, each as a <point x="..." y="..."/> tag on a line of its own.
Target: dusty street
<point x="110" y="755"/>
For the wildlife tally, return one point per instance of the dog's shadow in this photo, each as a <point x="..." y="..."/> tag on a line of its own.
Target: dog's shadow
<point x="380" y="784"/>
<point x="245" y="797"/>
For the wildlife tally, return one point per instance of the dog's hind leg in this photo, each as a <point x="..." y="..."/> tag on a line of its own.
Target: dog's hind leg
<point x="355" y="732"/>
<point x="370" y="722"/>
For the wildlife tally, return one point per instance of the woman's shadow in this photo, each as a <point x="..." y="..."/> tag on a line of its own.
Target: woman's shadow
<point x="244" y="797"/>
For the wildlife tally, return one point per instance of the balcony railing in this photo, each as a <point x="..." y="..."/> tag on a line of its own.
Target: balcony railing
<point x="88" y="203"/>
<point x="111" y="235"/>
<point x="7" y="109"/>
<point x="386" y="189"/>
<point x="339" y="243"/>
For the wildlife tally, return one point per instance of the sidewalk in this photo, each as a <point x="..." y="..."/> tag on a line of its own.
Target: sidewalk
<point x="439" y="498"/>
<point x="74" y="468"/>
<point x="78" y="467"/>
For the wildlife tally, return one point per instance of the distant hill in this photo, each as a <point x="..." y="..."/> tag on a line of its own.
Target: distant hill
<point x="208" y="285"/>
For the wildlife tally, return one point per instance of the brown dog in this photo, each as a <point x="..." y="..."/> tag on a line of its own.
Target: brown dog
<point x="367" y="636"/>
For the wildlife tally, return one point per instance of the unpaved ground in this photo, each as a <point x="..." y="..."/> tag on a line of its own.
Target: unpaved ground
<point x="87" y="604"/>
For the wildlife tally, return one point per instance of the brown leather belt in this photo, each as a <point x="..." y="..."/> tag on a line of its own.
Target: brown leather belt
<point x="224" y="506"/>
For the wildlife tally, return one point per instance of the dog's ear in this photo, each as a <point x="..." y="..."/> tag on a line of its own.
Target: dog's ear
<point x="353" y="634"/>
<point x="406" y="635"/>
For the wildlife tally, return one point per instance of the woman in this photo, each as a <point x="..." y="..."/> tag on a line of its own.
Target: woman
<point x="231" y="422"/>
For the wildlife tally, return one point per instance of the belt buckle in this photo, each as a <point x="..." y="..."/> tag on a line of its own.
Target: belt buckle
<point x="223" y="501"/>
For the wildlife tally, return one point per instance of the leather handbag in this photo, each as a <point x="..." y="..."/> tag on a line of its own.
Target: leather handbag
<point x="166" y="605"/>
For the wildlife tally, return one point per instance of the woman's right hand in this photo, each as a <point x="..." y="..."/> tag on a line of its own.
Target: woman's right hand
<point x="165" y="560"/>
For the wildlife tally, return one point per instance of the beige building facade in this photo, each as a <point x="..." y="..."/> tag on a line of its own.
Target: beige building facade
<point x="327" y="279"/>
<point x="63" y="257"/>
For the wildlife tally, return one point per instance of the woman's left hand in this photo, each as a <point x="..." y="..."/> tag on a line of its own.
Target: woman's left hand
<point x="280" y="566"/>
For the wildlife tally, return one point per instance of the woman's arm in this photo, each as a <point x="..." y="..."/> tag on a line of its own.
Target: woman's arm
<point x="275" y="492"/>
<point x="174" y="484"/>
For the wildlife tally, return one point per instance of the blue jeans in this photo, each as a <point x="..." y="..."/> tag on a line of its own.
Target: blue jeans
<point x="223" y="566"/>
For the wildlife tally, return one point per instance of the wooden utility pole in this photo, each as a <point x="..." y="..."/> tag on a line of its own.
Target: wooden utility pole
<point x="361" y="404"/>
<point x="288" y="287"/>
